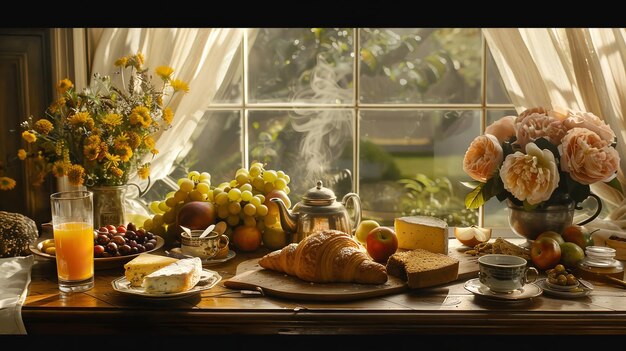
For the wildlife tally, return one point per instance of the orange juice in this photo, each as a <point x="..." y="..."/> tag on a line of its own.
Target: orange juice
<point x="74" y="250"/>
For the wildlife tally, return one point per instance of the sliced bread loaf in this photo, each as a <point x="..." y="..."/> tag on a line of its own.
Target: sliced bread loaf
<point x="421" y="268"/>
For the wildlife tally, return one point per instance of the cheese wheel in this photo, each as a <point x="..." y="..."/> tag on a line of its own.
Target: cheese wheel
<point x="422" y="232"/>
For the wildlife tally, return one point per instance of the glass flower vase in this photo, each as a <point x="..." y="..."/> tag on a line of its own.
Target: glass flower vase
<point x="108" y="205"/>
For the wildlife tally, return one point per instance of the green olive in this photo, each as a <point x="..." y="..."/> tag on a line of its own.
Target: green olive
<point x="559" y="268"/>
<point x="562" y="280"/>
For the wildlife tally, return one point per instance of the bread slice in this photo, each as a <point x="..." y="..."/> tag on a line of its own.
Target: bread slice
<point x="421" y="268"/>
<point x="179" y="276"/>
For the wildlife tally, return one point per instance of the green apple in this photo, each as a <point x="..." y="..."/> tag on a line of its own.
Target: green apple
<point x="364" y="228"/>
<point x="274" y="238"/>
<point x="552" y="234"/>
<point x="571" y="254"/>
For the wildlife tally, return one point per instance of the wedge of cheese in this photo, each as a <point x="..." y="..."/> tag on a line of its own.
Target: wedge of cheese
<point x="422" y="232"/>
<point x="179" y="276"/>
<point x="144" y="264"/>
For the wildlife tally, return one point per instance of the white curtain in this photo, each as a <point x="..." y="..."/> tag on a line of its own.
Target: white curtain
<point x="578" y="68"/>
<point x="199" y="56"/>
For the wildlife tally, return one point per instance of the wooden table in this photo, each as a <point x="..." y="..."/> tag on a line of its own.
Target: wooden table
<point x="441" y="310"/>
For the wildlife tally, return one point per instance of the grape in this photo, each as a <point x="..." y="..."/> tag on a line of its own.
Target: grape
<point x="194" y="175"/>
<point x="169" y="217"/>
<point x="187" y="185"/>
<point x="249" y="221"/>
<point x="255" y="201"/>
<point x="261" y="197"/>
<point x="148" y="224"/>
<point x="180" y="180"/>
<point x="240" y="171"/>
<point x="149" y="246"/>
<point x="280" y="174"/>
<point x="242" y="178"/>
<point x="224" y="185"/>
<point x="234" y="194"/>
<point x="245" y="187"/>
<point x="168" y="203"/>
<point x="234" y="208"/>
<point x="249" y="209"/>
<point x="261" y="210"/>
<point x="131" y="226"/>
<point x="221" y="198"/>
<point x="222" y="211"/>
<point x="257" y="164"/>
<point x="141" y="248"/>
<point x="258" y="183"/>
<point x="102" y="239"/>
<point x="255" y="171"/>
<point x="134" y="250"/>
<point x="268" y="187"/>
<point x="246" y="195"/>
<point x="269" y="176"/>
<point x="280" y="183"/>
<point x="180" y="196"/>
<point x="98" y="250"/>
<point x="232" y="220"/>
<point x="157" y="220"/>
<point x="154" y="207"/>
<point x="203" y="188"/>
<point x="111" y="247"/>
<point x="124" y="250"/>
<point x="195" y="195"/>
<point x="286" y="190"/>
<point x="209" y="197"/>
<point x="287" y="178"/>
<point x="205" y="176"/>
<point x="233" y="183"/>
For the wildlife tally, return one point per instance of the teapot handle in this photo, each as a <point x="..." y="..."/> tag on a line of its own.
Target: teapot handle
<point x="356" y="204"/>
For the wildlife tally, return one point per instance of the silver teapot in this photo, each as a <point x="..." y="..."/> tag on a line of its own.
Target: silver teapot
<point x="319" y="210"/>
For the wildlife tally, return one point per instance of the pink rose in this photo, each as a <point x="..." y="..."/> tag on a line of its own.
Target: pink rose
<point x="482" y="158"/>
<point x="587" y="157"/>
<point x="530" y="177"/>
<point x="503" y="129"/>
<point x="531" y="127"/>
<point x="580" y="119"/>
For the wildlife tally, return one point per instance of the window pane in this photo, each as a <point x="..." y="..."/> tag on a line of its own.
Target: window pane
<point x="420" y="65"/>
<point x="496" y="91"/>
<point x="496" y="213"/>
<point x="411" y="164"/>
<point x="304" y="65"/>
<point x="230" y="92"/>
<point x="308" y="145"/>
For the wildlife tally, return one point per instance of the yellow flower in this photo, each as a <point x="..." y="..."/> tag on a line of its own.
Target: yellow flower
<point x="159" y="100"/>
<point x="91" y="151"/>
<point x="64" y="85"/>
<point x="125" y="154"/>
<point x="121" y="62"/>
<point x="139" y="58"/>
<point x="55" y="106"/>
<point x="59" y="168"/>
<point x="76" y="174"/>
<point x="121" y="141"/>
<point x="104" y="150"/>
<point x="6" y="183"/>
<point x="134" y="140"/>
<point x="140" y="115"/>
<point x="29" y="137"/>
<point x="93" y="140"/>
<point x="144" y="171"/>
<point x="164" y="72"/>
<point x="116" y="172"/>
<point x="168" y="115"/>
<point x="21" y="154"/>
<point x="179" y="85"/>
<point x="112" y="120"/>
<point x="154" y="151"/>
<point x="79" y="118"/>
<point x="149" y="142"/>
<point x="43" y="126"/>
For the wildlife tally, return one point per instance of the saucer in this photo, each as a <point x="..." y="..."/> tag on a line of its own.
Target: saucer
<point x="524" y="293"/>
<point x="176" y="253"/>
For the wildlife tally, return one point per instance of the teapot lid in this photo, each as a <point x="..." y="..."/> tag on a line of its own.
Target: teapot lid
<point x="319" y="196"/>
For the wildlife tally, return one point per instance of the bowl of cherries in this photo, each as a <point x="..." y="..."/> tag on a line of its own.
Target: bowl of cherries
<point x="114" y="246"/>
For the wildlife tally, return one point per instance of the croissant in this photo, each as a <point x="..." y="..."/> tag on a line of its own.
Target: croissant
<point x="328" y="256"/>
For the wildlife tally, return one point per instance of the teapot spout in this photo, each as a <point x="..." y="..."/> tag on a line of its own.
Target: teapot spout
<point x="287" y="220"/>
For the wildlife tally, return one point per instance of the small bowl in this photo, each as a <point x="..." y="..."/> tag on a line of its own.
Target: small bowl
<point x="561" y="287"/>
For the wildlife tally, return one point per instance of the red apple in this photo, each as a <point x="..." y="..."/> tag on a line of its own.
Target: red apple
<point x="545" y="253"/>
<point x="382" y="242"/>
<point x="576" y="234"/>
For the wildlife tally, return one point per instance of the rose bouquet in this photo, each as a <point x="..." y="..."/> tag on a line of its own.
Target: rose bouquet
<point x="541" y="157"/>
<point x="100" y="135"/>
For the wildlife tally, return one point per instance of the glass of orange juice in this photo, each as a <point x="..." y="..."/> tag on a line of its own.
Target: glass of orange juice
<point x="72" y="221"/>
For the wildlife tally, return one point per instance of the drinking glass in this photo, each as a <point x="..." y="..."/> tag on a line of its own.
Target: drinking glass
<point x="72" y="221"/>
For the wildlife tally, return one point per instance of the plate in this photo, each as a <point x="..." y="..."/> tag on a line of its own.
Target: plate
<point x="524" y="293"/>
<point x="560" y="287"/>
<point x="101" y="262"/>
<point x="175" y="252"/>
<point x="208" y="279"/>
<point x="581" y="291"/>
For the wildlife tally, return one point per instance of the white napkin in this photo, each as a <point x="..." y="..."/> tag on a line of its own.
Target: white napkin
<point x="14" y="281"/>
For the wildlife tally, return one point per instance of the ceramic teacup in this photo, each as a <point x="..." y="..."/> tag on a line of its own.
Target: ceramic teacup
<point x="206" y="247"/>
<point x="505" y="273"/>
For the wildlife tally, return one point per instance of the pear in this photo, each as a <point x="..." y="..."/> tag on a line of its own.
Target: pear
<point x="473" y="235"/>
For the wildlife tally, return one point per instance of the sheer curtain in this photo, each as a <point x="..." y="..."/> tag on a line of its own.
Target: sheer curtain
<point x="579" y="68"/>
<point x="199" y="56"/>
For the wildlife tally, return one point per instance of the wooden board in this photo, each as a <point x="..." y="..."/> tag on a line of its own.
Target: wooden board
<point x="468" y="264"/>
<point x="250" y="276"/>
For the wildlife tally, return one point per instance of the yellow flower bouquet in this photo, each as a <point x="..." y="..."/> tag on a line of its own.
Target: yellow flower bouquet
<point x="100" y="136"/>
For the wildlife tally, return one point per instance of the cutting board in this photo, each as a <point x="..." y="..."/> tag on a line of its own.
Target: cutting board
<point x="250" y="275"/>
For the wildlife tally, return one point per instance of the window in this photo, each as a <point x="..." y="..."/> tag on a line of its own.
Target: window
<point x="387" y="113"/>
